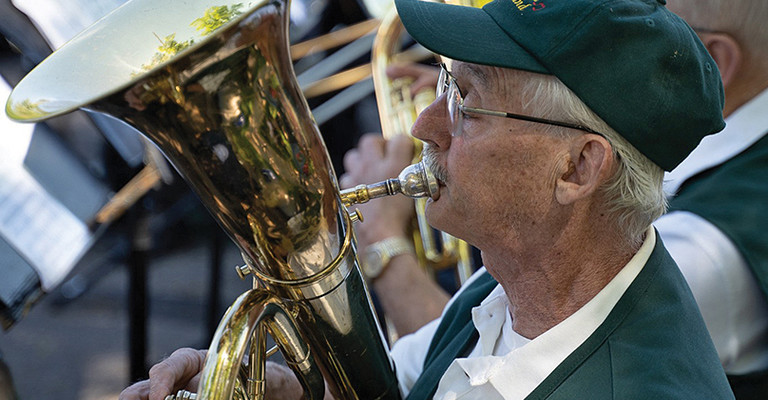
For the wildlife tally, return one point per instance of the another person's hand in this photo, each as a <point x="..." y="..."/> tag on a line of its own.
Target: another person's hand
<point x="409" y="297"/>
<point x="424" y="76"/>
<point x="181" y="371"/>
<point x="375" y="160"/>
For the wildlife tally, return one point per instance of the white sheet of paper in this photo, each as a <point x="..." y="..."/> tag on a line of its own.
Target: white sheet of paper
<point x="61" y="20"/>
<point x="47" y="234"/>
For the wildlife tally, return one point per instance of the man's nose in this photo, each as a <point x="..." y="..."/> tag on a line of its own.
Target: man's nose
<point x="433" y="125"/>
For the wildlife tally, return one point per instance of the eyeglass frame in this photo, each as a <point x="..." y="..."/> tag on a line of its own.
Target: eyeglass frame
<point x="446" y="81"/>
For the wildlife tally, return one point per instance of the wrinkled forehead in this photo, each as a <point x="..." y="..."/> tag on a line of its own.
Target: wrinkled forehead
<point x="465" y="70"/>
<point x="505" y="83"/>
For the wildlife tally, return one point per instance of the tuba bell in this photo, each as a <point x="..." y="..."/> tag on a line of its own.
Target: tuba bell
<point x="220" y="99"/>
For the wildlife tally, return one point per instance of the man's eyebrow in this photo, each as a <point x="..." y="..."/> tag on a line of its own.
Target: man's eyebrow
<point x="472" y="69"/>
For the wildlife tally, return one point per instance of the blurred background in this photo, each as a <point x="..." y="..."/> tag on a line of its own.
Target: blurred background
<point x="79" y="348"/>
<point x="93" y="291"/>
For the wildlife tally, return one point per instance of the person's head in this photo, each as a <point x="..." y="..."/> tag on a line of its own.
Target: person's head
<point x="735" y="34"/>
<point x="633" y="76"/>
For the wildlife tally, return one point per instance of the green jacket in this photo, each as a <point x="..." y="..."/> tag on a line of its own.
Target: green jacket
<point x="733" y="197"/>
<point x="653" y="345"/>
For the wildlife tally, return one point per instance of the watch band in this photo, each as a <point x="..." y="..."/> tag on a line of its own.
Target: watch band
<point x="379" y="254"/>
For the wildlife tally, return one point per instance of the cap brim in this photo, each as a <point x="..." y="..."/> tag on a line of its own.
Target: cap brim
<point x="464" y="33"/>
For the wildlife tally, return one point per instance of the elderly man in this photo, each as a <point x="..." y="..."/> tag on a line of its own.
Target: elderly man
<point x="721" y="251"/>
<point x="549" y="138"/>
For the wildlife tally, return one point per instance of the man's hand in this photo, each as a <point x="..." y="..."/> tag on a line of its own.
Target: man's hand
<point x="181" y="371"/>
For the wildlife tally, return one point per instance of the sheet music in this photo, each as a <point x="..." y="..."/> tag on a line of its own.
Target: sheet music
<point x="47" y="234"/>
<point x="61" y="20"/>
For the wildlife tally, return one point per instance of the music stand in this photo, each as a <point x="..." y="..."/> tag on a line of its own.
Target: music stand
<point x="47" y="198"/>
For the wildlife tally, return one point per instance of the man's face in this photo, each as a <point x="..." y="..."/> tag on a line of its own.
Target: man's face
<point x="497" y="179"/>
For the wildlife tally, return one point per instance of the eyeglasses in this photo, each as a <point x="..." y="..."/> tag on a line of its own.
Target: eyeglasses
<point x="446" y="83"/>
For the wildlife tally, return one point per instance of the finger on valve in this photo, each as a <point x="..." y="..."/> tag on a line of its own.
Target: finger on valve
<point x="424" y="76"/>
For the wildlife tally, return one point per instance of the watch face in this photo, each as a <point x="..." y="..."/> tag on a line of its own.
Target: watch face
<point x="372" y="264"/>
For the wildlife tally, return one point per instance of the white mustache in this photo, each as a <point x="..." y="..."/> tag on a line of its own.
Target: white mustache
<point x="429" y="158"/>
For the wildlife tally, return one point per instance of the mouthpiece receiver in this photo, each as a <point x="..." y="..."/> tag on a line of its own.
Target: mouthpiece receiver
<point x="414" y="181"/>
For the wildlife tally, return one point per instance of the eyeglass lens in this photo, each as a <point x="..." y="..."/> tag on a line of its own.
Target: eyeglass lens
<point x="447" y="84"/>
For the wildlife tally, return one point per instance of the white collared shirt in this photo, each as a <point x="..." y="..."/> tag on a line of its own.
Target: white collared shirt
<point x="731" y="302"/>
<point x="743" y="128"/>
<point x="504" y="364"/>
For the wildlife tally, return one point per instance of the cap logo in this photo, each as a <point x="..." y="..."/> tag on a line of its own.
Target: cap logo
<point x="533" y="5"/>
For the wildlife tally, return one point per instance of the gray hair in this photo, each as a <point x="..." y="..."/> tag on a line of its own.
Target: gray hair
<point x="743" y="19"/>
<point x="634" y="193"/>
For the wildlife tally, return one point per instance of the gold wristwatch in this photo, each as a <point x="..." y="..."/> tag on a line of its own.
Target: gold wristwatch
<point x="378" y="255"/>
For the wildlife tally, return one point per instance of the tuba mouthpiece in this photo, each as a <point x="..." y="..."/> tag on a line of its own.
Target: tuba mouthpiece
<point x="417" y="180"/>
<point x="414" y="181"/>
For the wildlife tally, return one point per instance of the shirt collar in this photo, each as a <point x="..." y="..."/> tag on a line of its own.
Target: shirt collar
<point x="489" y="318"/>
<point x="743" y="128"/>
<point x="518" y="372"/>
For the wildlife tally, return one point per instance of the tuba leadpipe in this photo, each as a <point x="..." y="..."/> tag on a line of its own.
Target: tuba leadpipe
<point x="219" y="98"/>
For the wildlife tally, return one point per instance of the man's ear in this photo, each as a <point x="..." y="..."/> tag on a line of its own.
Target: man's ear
<point x="726" y="52"/>
<point x="590" y="164"/>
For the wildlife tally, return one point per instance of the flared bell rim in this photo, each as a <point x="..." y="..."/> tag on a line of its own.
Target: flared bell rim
<point x="40" y="95"/>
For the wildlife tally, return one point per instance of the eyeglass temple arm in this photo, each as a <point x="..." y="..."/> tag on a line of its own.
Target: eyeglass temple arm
<point x="529" y="118"/>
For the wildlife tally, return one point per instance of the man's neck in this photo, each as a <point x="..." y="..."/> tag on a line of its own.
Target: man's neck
<point x="752" y="81"/>
<point x="547" y="286"/>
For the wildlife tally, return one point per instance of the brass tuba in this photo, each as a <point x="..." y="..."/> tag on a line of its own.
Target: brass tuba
<point x="220" y="99"/>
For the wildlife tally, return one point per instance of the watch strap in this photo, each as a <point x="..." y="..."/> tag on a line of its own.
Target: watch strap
<point x="386" y="249"/>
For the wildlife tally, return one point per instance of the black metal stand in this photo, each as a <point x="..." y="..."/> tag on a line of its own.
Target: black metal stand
<point x="7" y="389"/>
<point x="214" y="283"/>
<point x="138" y="297"/>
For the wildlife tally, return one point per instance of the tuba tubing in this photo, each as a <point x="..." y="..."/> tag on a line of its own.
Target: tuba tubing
<point x="219" y="98"/>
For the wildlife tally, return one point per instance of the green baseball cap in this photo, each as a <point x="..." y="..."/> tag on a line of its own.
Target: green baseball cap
<point x="637" y="65"/>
